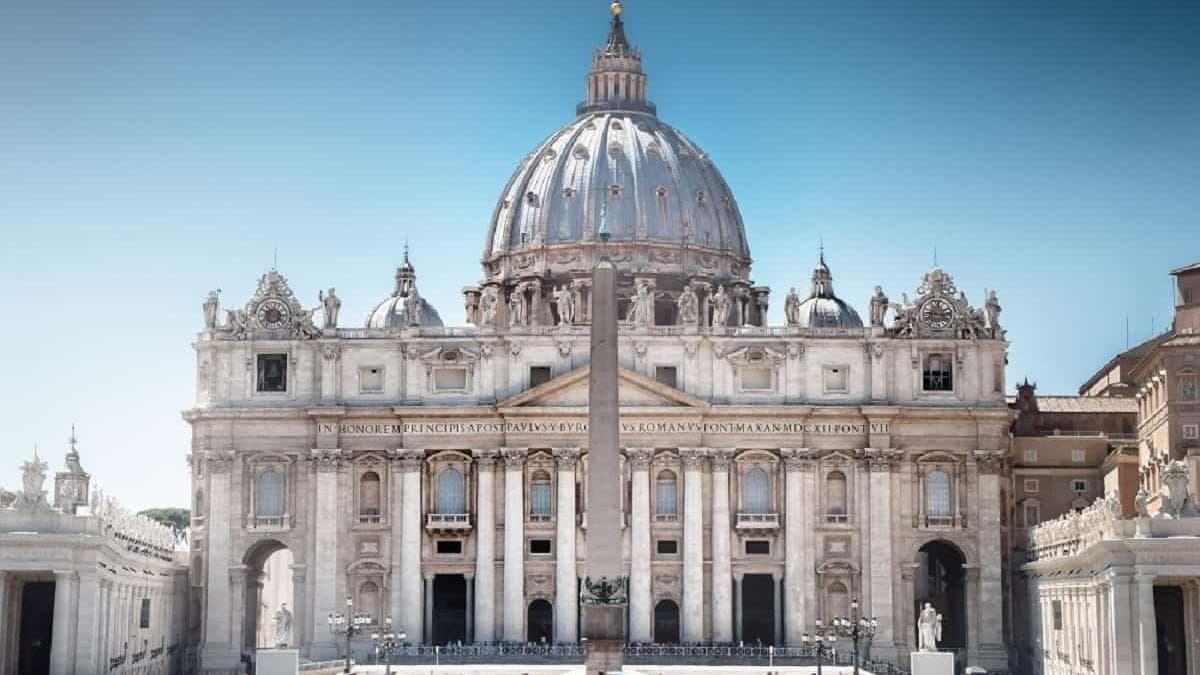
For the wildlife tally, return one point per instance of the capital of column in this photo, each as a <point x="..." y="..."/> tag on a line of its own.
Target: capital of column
<point x="407" y="459"/>
<point x="567" y="458"/>
<point x="693" y="458"/>
<point x="219" y="461"/>
<point x="721" y="458"/>
<point x="639" y="458"/>
<point x="798" y="459"/>
<point x="325" y="461"/>
<point x="485" y="459"/>
<point x="990" y="461"/>
<point x="65" y="575"/>
<point x="881" y="460"/>
<point x="514" y="458"/>
<point x="737" y="576"/>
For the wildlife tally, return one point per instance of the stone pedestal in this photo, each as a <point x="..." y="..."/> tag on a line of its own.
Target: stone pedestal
<point x="932" y="663"/>
<point x="277" y="662"/>
<point x="604" y="657"/>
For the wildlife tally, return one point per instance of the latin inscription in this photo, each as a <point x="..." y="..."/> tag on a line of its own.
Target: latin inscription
<point x="775" y="427"/>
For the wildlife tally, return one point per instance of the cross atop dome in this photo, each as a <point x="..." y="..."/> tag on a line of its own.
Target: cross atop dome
<point x="616" y="81"/>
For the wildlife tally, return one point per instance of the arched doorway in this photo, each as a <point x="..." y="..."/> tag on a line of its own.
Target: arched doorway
<point x="268" y="588"/>
<point x="941" y="581"/>
<point x="540" y="624"/>
<point x="666" y="622"/>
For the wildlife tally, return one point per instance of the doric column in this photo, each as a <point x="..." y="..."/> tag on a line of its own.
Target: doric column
<point x="1147" y="625"/>
<point x="692" y="618"/>
<point x="485" y="545"/>
<point x="219" y="649"/>
<point x="62" y="647"/>
<point x="793" y="545"/>
<point x="409" y="616"/>
<point x="722" y="568"/>
<point x="326" y="465"/>
<point x="641" y="614"/>
<point x="566" y="602"/>
<point x="514" y="543"/>
<point x="87" y="604"/>
<point x="879" y="466"/>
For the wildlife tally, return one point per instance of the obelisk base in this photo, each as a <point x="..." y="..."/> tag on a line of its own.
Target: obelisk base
<point x="604" y="626"/>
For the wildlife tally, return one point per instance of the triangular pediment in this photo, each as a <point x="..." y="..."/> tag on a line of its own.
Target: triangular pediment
<point x="570" y="390"/>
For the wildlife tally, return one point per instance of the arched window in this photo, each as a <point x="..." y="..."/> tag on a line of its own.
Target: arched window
<point x="666" y="494"/>
<point x="837" y="601"/>
<point x="451" y="492"/>
<point x="270" y="494"/>
<point x="937" y="495"/>
<point x="368" y="494"/>
<point x="539" y="496"/>
<point x="758" y="491"/>
<point x="835" y="497"/>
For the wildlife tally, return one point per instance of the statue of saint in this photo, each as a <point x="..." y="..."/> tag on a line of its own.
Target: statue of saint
<point x="641" y="311"/>
<point x="929" y="628"/>
<point x="488" y="305"/>
<point x="332" y="304"/>
<point x="1139" y="503"/>
<point x="516" y="307"/>
<point x="412" y="306"/>
<point x="283" y="626"/>
<point x="33" y="477"/>
<point x="879" y="306"/>
<point x="991" y="308"/>
<point x="791" y="307"/>
<point x="212" y="306"/>
<point x="689" y="307"/>
<point x="720" y="302"/>
<point x="471" y="305"/>
<point x="564" y="302"/>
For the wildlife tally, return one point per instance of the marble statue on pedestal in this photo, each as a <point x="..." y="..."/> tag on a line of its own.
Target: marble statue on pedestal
<point x="212" y="306"/>
<point x="689" y="306"/>
<point x="641" y="311"/>
<point x="791" y="307"/>
<point x="33" y="478"/>
<point x="487" y="307"/>
<point x="929" y="629"/>
<point x="332" y="304"/>
<point x="283" y="626"/>
<point x="879" y="306"/>
<point x="721" y="302"/>
<point x="564" y="302"/>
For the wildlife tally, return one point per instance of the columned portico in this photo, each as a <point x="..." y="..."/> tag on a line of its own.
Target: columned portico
<point x="566" y="603"/>
<point x="514" y="543"/>
<point x="722" y="591"/>
<point x="640" y="609"/>
<point x="485" y="546"/>
<point x="692" y="628"/>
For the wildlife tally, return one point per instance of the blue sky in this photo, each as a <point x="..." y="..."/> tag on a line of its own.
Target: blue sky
<point x="152" y="151"/>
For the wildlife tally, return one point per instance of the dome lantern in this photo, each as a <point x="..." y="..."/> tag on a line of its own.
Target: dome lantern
<point x="616" y="81"/>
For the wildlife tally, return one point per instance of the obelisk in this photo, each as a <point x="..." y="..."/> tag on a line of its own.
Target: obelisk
<point x="604" y="585"/>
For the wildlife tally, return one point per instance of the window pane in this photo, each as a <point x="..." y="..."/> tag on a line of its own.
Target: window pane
<point x="368" y="494"/>
<point x="758" y="493"/>
<point x="450" y="492"/>
<point x="937" y="490"/>
<point x="270" y="494"/>
<point x="539" y="498"/>
<point x="667" y="492"/>
<point x="938" y="374"/>
<point x="272" y="372"/>
<point x="450" y="379"/>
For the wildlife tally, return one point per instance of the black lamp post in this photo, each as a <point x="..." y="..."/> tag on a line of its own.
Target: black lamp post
<point x="856" y="628"/>
<point x="386" y="642"/>
<point x="818" y="639"/>
<point x="348" y="624"/>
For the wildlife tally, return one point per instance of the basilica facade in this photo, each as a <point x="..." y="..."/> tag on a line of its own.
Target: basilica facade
<point x="435" y="476"/>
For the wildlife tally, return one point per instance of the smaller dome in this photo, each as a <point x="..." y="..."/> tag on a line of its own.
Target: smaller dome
<point x="823" y="309"/>
<point x="397" y="310"/>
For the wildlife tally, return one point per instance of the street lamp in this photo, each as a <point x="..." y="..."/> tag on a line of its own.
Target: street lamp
<point x="348" y="624"/>
<point x="386" y="642"/>
<point x="818" y="639"/>
<point x="856" y="628"/>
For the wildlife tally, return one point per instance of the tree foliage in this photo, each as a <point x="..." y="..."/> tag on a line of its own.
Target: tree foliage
<point x="175" y="518"/>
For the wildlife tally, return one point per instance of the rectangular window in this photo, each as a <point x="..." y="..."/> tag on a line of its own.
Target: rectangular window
<point x="144" y="621"/>
<point x="668" y="546"/>
<point x="666" y="375"/>
<point x="1189" y="387"/>
<point x="1078" y="456"/>
<point x="1031" y="456"/>
<point x="1191" y="431"/>
<point x="449" y="546"/>
<point x="1056" y="608"/>
<point x="539" y="499"/>
<point x="836" y="379"/>
<point x="938" y="374"/>
<point x="370" y="380"/>
<point x="758" y="547"/>
<point x="1079" y="485"/>
<point x="450" y="379"/>
<point x="272" y="372"/>
<point x="538" y="375"/>
<point x="539" y="546"/>
<point x="1031" y="485"/>
<point x="1032" y="516"/>
<point x="755" y="378"/>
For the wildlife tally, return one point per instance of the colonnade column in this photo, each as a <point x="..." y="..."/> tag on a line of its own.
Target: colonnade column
<point x="218" y="650"/>
<point x="879" y="468"/>
<point x="514" y="543"/>
<point x="776" y="584"/>
<point x="327" y="464"/>
<point x="1147" y="624"/>
<point x="640" y="612"/>
<point x="62" y="644"/>
<point x="692" y="620"/>
<point x="470" y="621"/>
<point x="1121" y="604"/>
<point x="739" y="599"/>
<point x="722" y="569"/>
<point x="87" y="609"/>
<point x="793" y="547"/>
<point x="410" y="617"/>
<point x="485" y="545"/>
<point x="101" y="628"/>
<point x="566" y="600"/>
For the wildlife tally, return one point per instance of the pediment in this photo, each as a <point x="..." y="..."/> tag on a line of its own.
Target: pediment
<point x="570" y="390"/>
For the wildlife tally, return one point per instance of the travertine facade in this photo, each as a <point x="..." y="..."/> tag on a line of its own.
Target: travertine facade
<point x="437" y="475"/>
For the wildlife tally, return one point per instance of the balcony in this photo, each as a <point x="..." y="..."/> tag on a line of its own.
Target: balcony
<point x="758" y="521"/>
<point x="666" y="517"/>
<point x="839" y="518"/>
<point x="541" y="518"/>
<point x="370" y="519"/>
<point x="268" y="523"/>
<point x="448" y="522"/>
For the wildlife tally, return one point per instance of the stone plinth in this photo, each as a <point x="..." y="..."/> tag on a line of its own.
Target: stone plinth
<point x="277" y="662"/>
<point x="932" y="663"/>
<point x="604" y="657"/>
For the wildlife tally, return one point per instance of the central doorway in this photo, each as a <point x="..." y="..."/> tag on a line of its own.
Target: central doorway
<point x="541" y="621"/>
<point x="758" y="609"/>
<point x="941" y="581"/>
<point x="37" y="622"/>
<point x="666" y="622"/>
<point x="1172" y="637"/>
<point x="449" y="608"/>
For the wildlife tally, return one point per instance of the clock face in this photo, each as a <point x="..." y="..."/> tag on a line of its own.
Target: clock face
<point x="272" y="314"/>
<point x="937" y="313"/>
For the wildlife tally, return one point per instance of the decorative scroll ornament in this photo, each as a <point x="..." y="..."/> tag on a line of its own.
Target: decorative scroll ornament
<point x="692" y="458"/>
<point x="407" y="460"/>
<point x="604" y="591"/>
<point x="219" y="462"/>
<point x="332" y="352"/>
<point x="942" y="311"/>
<point x="567" y="458"/>
<point x="273" y="310"/>
<point x="640" y="458"/>
<point x="485" y="459"/>
<point x="989" y="462"/>
<point x="325" y="461"/>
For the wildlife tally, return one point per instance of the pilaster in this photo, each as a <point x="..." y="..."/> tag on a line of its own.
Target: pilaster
<point x="485" y="545"/>
<point x="882" y="573"/>
<point x="409" y="617"/>
<point x="325" y="464"/>
<point x="566" y="602"/>
<point x="722" y="569"/>
<point x="219" y="650"/>
<point x="514" y="543"/>
<point x="641" y="619"/>
<point x="692" y="615"/>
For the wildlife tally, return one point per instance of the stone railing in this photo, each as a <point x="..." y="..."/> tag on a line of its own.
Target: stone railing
<point x="582" y="330"/>
<point x="1074" y="532"/>
<point x="757" y="521"/>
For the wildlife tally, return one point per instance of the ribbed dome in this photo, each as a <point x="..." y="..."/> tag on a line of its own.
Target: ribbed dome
<point x="393" y="312"/>
<point x="823" y="309"/>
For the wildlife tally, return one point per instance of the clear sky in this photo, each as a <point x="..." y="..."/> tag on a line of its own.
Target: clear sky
<point x="153" y="151"/>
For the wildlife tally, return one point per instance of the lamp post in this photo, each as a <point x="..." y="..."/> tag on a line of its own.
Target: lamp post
<point x="348" y="624"/>
<point x="819" y="637"/>
<point x="386" y="642"/>
<point x="856" y="628"/>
